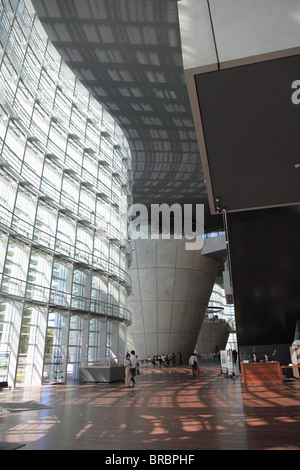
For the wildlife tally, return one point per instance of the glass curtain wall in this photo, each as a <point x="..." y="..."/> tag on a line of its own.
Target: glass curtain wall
<point x="218" y="308"/>
<point x="64" y="252"/>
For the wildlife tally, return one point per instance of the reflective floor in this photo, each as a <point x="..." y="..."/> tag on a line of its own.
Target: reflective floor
<point x="166" y="410"/>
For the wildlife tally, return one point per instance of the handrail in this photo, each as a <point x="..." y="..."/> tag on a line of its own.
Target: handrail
<point x="48" y="189"/>
<point x="51" y="297"/>
<point x="60" y="247"/>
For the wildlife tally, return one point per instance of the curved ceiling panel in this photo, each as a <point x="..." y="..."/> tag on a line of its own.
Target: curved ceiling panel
<point x="128" y="55"/>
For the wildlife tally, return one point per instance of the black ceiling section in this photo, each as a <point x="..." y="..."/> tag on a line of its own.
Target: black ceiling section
<point x="266" y="281"/>
<point x="251" y="129"/>
<point x="128" y="55"/>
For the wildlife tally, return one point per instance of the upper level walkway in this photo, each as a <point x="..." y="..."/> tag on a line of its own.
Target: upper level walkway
<point x="166" y="410"/>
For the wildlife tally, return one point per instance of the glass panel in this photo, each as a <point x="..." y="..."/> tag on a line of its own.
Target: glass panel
<point x="15" y="270"/>
<point x="40" y="123"/>
<point x="75" y="340"/>
<point x="60" y="288"/>
<point x="84" y="245"/>
<point x="4" y="118"/>
<point x="39" y="276"/>
<point x="78" y="121"/>
<point x="53" y="367"/>
<point x="57" y="139"/>
<point x="62" y="106"/>
<point x="52" y="177"/>
<point x="94" y="340"/>
<point x="80" y="291"/>
<point x="45" y="225"/>
<point x="8" y="188"/>
<point x="6" y="324"/>
<point x="65" y="241"/>
<point x="24" y="213"/>
<point x="10" y="77"/>
<point x="70" y="193"/>
<point x="15" y="140"/>
<point x="104" y="178"/>
<point x="31" y="347"/>
<point x="47" y="87"/>
<point x="32" y="67"/>
<point x="34" y="159"/>
<point x="75" y="153"/>
<point x="92" y="134"/>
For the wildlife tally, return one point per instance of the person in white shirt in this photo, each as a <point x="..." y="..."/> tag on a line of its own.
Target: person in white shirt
<point x="133" y="366"/>
<point x="193" y="361"/>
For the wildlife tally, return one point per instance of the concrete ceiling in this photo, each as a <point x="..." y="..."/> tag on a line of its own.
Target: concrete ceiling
<point x="128" y="55"/>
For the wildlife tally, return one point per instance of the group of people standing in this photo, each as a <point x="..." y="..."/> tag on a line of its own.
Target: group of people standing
<point x="166" y="360"/>
<point x="132" y="367"/>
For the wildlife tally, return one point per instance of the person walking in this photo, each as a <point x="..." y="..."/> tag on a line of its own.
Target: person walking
<point x="133" y="367"/>
<point x="193" y="361"/>
<point x="127" y="364"/>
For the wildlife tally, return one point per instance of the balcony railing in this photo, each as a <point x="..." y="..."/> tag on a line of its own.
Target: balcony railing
<point x="71" y="252"/>
<point x="76" y="208"/>
<point x="53" y="298"/>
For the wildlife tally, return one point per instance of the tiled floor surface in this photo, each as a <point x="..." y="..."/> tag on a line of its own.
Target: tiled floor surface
<point x="166" y="410"/>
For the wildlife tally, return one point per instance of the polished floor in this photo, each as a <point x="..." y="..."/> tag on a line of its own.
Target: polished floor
<point x="166" y="410"/>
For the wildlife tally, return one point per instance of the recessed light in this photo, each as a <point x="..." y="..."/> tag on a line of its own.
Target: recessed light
<point x="297" y="165"/>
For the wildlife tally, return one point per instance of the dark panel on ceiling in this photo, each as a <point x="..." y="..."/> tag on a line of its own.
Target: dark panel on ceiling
<point x="251" y="129"/>
<point x="265" y="257"/>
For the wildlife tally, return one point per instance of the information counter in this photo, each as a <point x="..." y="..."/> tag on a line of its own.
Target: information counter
<point x="261" y="373"/>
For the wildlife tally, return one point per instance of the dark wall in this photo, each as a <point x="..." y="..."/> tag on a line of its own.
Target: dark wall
<point x="265" y="261"/>
<point x="251" y="131"/>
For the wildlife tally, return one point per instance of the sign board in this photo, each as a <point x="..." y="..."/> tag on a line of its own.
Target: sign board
<point x="226" y="362"/>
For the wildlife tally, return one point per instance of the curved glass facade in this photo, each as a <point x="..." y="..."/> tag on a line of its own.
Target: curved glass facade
<point x="65" y="186"/>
